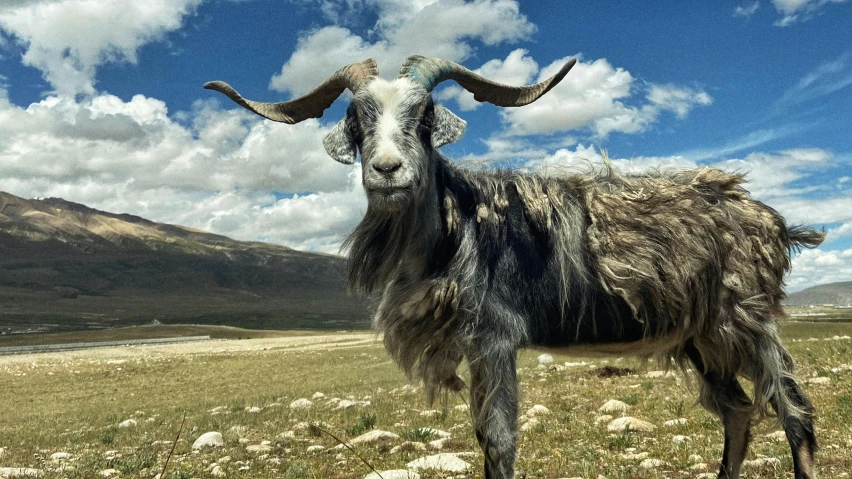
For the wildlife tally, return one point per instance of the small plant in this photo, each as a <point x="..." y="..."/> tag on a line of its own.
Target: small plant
<point x="647" y="386"/>
<point x="366" y="422"/>
<point x="631" y="399"/>
<point x="844" y="400"/>
<point x="315" y="429"/>
<point x="108" y="436"/>
<point x="677" y="408"/>
<point x="618" y="442"/>
<point x="420" y="434"/>
<point x="297" y="470"/>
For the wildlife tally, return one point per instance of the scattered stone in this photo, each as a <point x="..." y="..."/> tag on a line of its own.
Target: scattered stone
<point x="440" y="462"/>
<point x="462" y="407"/>
<point x="681" y="439"/>
<point x="537" y="410"/>
<point x="820" y="380"/>
<point x="762" y="462"/>
<point x="635" y="456"/>
<point x="315" y="448"/>
<point x="604" y="418"/>
<point x="409" y="446"/>
<point x="436" y="432"/>
<point x="259" y="448"/>
<point x="109" y="473"/>
<point x="431" y="412"/>
<point x="286" y="435"/>
<point x="347" y="403"/>
<point x="629" y="424"/>
<point x="394" y="474"/>
<point x="651" y="463"/>
<point x="127" y="423"/>
<point x="375" y="436"/>
<point x="438" y="444"/>
<point x="698" y="466"/>
<point x="614" y="406"/>
<point x="696" y="458"/>
<point x="253" y="409"/>
<point x="238" y="430"/>
<point x="545" y="359"/>
<point x="530" y="424"/>
<point x="318" y="395"/>
<point x="209" y="439"/>
<point x="16" y="472"/>
<point x="655" y="374"/>
<point x="706" y="475"/>
<point x="675" y="422"/>
<point x="60" y="456"/>
<point x="217" y="471"/>
<point x="224" y="460"/>
<point x="301" y="404"/>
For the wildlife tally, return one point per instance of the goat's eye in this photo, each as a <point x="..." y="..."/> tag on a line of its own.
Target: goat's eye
<point x="428" y="119"/>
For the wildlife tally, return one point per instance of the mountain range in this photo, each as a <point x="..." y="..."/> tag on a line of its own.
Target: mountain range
<point x="65" y="266"/>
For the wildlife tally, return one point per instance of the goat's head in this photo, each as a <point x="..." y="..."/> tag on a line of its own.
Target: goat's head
<point x="394" y="124"/>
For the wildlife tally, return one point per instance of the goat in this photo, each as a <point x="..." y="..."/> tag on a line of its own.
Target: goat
<point x="682" y="265"/>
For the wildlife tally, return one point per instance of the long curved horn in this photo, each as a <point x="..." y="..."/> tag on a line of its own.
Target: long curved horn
<point x="429" y="72"/>
<point x="312" y="104"/>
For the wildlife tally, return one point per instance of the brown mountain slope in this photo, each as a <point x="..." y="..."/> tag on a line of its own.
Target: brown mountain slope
<point x="66" y="266"/>
<point x="839" y="294"/>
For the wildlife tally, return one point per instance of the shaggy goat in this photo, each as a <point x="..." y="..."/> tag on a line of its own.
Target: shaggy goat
<point x="683" y="266"/>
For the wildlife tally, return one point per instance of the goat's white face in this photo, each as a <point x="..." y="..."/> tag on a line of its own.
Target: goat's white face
<point x="395" y="125"/>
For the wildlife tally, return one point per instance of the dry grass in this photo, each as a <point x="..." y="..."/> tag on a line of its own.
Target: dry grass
<point x="74" y="403"/>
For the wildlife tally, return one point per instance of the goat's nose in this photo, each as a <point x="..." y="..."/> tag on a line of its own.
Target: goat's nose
<point x="387" y="164"/>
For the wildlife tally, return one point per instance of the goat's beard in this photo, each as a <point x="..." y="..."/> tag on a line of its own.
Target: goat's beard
<point x="390" y="200"/>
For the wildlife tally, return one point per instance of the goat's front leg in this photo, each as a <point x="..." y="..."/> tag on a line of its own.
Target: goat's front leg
<point x="494" y="408"/>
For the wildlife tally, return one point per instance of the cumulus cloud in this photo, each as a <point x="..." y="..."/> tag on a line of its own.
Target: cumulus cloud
<point x="443" y="29"/>
<point x="68" y="39"/>
<point x="818" y="266"/>
<point x="593" y="97"/>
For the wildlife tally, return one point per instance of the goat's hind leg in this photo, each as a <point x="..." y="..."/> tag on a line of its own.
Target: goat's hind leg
<point x="724" y="396"/>
<point x="796" y="413"/>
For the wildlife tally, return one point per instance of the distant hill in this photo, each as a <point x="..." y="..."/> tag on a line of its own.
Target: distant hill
<point x="66" y="266"/>
<point x="833" y="293"/>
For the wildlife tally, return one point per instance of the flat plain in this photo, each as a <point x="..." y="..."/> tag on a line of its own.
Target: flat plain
<point x="115" y="411"/>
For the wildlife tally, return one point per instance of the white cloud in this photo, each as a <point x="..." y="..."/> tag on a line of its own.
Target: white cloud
<point x="593" y="97"/>
<point x="444" y="29"/>
<point x="793" y="11"/>
<point x="825" y="79"/>
<point x="746" y="10"/>
<point x="68" y="39"/>
<point x="817" y="266"/>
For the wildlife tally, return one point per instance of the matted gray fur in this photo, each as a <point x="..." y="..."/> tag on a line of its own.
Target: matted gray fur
<point x="680" y="265"/>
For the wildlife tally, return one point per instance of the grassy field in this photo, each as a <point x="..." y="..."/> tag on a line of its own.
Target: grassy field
<point x="74" y="403"/>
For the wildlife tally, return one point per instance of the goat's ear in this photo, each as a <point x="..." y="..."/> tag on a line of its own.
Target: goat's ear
<point x="447" y="127"/>
<point x="340" y="144"/>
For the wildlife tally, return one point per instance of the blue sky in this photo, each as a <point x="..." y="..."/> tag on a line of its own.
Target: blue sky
<point x="101" y="102"/>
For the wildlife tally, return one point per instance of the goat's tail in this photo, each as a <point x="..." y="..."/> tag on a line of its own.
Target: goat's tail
<point x="804" y="237"/>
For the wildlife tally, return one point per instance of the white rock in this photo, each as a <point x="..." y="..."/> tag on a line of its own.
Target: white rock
<point x="651" y="463"/>
<point x="696" y="458"/>
<point x="16" y="472"/>
<point x="253" y="409"/>
<point x="655" y="374"/>
<point x="315" y="448"/>
<point x="301" y="404"/>
<point x="375" y="436"/>
<point x="821" y="380"/>
<point x="545" y="359"/>
<point x="259" y="448"/>
<point x="706" y="475"/>
<point x="530" y="424"/>
<point x="431" y="412"/>
<point x="614" y="406"/>
<point x="440" y="462"/>
<point x="109" y="473"/>
<point x="394" y="474"/>
<point x="60" y="456"/>
<point x="604" y="418"/>
<point x="681" y="439"/>
<point x="217" y="471"/>
<point x="631" y="424"/>
<point x="127" y="423"/>
<point x="238" y="430"/>
<point x="462" y="407"/>
<point x="635" y="456"/>
<point x="209" y="439"/>
<point x="346" y="404"/>
<point x="318" y="395"/>
<point x="436" y="432"/>
<point x="224" y="460"/>
<point x="538" y="410"/>
<point x="675" y="422"/>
